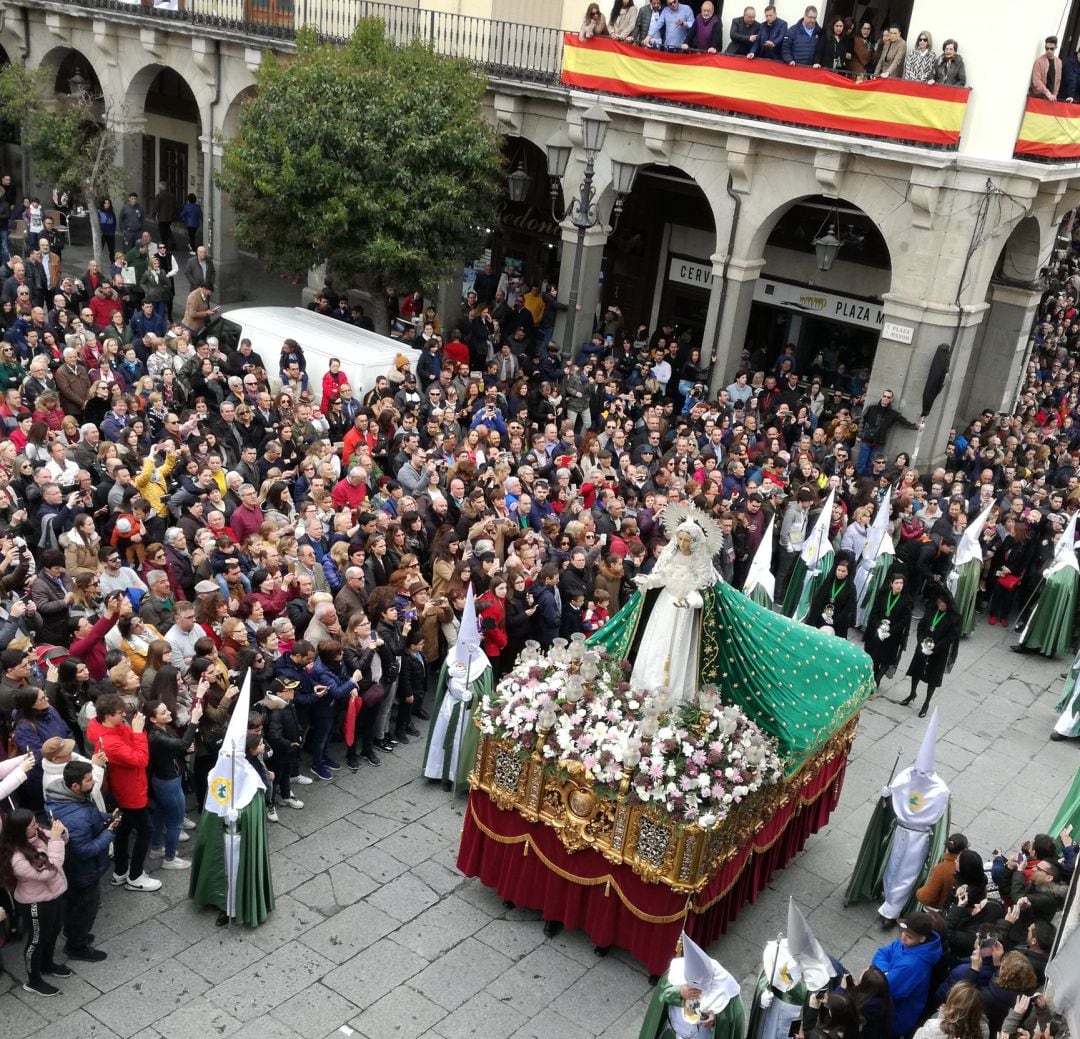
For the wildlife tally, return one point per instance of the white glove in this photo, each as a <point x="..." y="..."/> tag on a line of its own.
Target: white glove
<point x="886" y="791"/>
<point x="766" y="999"/>
<point x="694" y="600"/>
<point x="467" y="696"/>
<point x="231" y="816"/>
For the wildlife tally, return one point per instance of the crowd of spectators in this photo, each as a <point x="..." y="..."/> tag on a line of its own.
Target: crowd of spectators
<point x="177" y="513"/>
<point x="841" y="46"/>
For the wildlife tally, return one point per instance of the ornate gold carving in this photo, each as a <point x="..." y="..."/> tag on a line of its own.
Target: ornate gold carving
<point x="565" y="797"/>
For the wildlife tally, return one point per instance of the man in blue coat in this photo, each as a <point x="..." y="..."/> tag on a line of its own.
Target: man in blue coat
<point x="800" y="43"/>
<point x="90" y="834"/>
<point x="770" y="42"/>
<point x="907" y="965"/>
<point x="548" y="617"/>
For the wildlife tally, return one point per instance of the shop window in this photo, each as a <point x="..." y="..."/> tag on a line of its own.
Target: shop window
<point x="271" y="12"/>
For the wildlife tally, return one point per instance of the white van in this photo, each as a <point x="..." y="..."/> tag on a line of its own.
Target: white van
<point x="364" y="355"/>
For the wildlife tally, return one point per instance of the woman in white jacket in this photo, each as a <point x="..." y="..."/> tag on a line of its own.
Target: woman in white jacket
<point x="961" y="1016"/>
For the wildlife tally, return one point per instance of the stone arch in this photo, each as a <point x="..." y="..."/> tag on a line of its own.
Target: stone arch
<point x="230" y="123"/>
<point x="1025" y="252"/>
<point x="62" y="61"/>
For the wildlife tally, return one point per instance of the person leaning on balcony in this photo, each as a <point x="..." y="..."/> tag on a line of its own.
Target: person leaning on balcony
<point x="621" y="20"/>
<point x="708" y="34"/>
<point x="950" y="69"/>
<point x="594" y="23"/>
<point x="890" y="62"/>
<point x="744" y="34"/>
<point x="920" y="64"/>
<point x="676" y="23"/>
<point x="647" y="23"/>
<point x="770" y="41"/>
<point x="835" y="48"/>
<point x="863" y="50"/>
<point x="1070" y="78"/>
<point x="801" y="42"/>
<point x="1046" y="72"/>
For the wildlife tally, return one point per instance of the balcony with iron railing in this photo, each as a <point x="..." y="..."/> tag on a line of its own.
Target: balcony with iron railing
<point x="925" y="116"/>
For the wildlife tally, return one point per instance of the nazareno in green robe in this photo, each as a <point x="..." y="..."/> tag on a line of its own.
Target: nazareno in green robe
<point x="728" y="1024"/>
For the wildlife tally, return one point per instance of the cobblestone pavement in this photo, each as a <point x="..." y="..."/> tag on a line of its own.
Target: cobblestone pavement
<point x="375" y="930"/>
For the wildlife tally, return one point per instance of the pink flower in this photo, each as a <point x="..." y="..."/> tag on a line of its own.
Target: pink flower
<point x="698" y="757"/>
<point x="656" y="770"/>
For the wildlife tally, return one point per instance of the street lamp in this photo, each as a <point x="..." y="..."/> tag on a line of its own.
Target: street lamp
<point x="827" y="246"/>
<point x="583" y="211"/>
<point x="77" y="84"/>
<point x="518" y="184"/>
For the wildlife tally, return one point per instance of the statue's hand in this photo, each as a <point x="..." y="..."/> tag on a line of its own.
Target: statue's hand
<point x="694" y="600"/>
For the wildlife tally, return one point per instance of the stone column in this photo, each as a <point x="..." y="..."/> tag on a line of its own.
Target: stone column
<point x="903" y="368"/>
<point x="588" y="288"/>
<point x="712" y="311"/>
<point x="128" y="131"/>
<point x="733" y="317"/>
<point x="1000" y="351"/>
<point x="219" y="230"/>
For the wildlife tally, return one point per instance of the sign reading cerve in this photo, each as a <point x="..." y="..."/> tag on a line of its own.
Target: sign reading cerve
<point x="687" y="272"/>
<point x="816" y="302"/>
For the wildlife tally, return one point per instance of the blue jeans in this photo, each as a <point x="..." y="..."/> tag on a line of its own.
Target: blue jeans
<point x="322" y="724"/>
<point x="862" y="462"/>
<point x="168" y="815"/>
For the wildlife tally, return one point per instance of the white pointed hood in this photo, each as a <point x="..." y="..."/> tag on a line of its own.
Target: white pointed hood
<point x="970" y="548"/>
<point x="925" y="760"/>
<point x="817" y="544"/>
<point x="467" y="650"/>
<point x="878" y="541"/>
<point x="760" y="572"/>
<point x="803" y="945"/>
<point x="1064" y="551"/>
<point x="695" y="967"/>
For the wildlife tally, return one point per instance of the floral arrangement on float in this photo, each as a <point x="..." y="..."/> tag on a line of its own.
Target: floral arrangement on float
<point x="575" y="707"/>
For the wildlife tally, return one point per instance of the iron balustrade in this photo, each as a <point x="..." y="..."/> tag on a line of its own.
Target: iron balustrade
<point x="504" y="50"/>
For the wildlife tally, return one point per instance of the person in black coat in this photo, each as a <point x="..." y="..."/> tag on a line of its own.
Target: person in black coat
<point x="548" y="617"/>
<point x="520" y="609"/>
<point x="412" y="684"/>
<point x="282" y="731"/>
<point x="887" y="624"/>
<point x="834" y="604"/>
<point x="361" y="653"/>
<point x="834" y="49"/>
<point x="938" y="639"/>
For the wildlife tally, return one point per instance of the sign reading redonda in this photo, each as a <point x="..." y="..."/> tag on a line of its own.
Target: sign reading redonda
<point x="816" y="302"/>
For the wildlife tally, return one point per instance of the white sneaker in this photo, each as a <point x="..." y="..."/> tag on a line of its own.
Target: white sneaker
<point x="302" y="780"/>
<point x="156" y="853"/>
<point x="188" y="824"/>
<point x="293" y="802"/>
<point x="144" y="882"/>
<point x="271" y="814"/>
<point x="119" y="879"/>
<point x="174" y="863"/>
<point x="181" y="837"/>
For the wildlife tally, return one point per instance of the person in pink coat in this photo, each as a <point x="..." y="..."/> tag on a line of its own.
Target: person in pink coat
<point x="32" y="866"/>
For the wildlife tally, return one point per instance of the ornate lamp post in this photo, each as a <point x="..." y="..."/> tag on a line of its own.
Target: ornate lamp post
<point x="583" y="211"/>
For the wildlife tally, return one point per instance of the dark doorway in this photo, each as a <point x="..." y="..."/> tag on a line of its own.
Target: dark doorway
<point x="173" y="166"/>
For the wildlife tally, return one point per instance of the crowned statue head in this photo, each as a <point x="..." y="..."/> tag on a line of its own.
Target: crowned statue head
<point x="693" y="539"/>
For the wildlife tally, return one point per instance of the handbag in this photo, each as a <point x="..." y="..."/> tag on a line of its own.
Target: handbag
<point x="1008" y="582"/>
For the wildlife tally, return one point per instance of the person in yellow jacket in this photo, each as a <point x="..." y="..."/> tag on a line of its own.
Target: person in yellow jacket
<point x="153" y="481"/>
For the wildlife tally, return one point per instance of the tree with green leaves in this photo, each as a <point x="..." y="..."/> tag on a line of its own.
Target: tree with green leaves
<point x="370" y="158"/>
<point x="66" y="142"/>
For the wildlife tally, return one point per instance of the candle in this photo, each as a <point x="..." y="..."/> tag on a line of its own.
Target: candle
<point x="547" y="716"/>
<point x="649" y="727"/>
<point x="574" y="689"/>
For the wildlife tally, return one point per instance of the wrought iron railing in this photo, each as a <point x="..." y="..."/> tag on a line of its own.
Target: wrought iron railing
<point x="510" y="50"/>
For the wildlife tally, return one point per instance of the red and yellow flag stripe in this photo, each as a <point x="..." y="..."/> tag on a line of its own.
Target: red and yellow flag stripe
<point x="884" y="108"/>
<point x="1050" y="130"/>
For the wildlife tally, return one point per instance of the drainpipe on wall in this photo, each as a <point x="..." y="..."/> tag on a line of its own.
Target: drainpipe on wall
<point x="208" y="167"/>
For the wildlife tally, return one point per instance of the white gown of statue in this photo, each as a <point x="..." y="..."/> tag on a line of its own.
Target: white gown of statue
<point x="668" y="650"/>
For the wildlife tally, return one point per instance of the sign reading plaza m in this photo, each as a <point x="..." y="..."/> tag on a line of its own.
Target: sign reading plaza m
<point x="817" y="303"/>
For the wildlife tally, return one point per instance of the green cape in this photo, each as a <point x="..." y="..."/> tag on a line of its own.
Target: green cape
<point x="967" y="589"/>
<point x="801" y="587"/>
<point x="799" y="684"/>
<point x="756" y="1020"/>
<point x="209" y="884"/>
<point x="1069" y="812"/>
<point x="470" y="739"/>
<point x="729" y="1022"/>
<point x="1050" y="629"/>
<point x="866" y="881"/>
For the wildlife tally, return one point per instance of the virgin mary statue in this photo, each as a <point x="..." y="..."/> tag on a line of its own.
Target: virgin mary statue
<point x="668" y="652"/>
<point x="684" y="628"/>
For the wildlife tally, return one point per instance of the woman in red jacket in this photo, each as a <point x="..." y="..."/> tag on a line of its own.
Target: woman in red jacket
<point x="88" y="640"/>
<point x="491" y="607"/>
<point x="332" y="382"/>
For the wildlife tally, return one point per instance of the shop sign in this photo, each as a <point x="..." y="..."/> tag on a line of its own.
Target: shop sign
<point x="818" y="303"/>
<point x="687" y="272"/>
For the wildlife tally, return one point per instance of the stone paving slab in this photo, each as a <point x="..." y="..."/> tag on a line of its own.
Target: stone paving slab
<point x="376" y="931"/>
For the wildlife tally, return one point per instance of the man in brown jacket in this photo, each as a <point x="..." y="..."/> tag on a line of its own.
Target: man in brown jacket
<point x="197" y="310"/>
<point x="73" y="384"/>
<point x="935" y="893"/>
<point x="1046" y="72"/>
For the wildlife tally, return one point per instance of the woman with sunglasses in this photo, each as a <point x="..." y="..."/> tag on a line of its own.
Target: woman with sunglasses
<point x="920" y="65"/>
